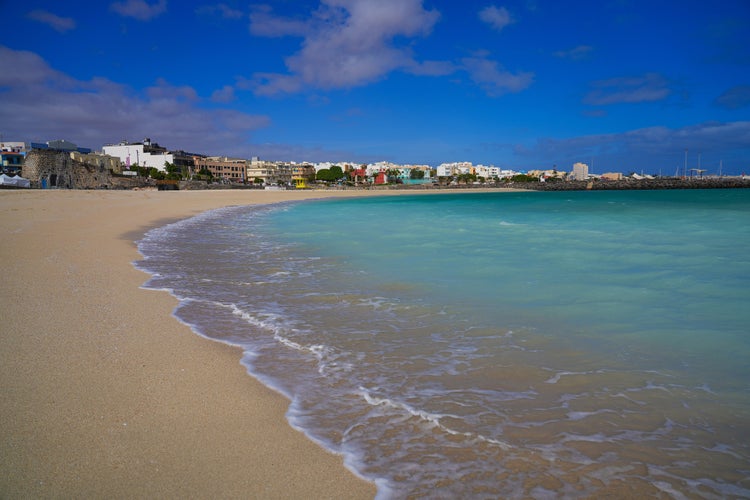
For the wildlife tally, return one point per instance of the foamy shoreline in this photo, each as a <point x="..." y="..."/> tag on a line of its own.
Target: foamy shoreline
<point x="104" y="393"/>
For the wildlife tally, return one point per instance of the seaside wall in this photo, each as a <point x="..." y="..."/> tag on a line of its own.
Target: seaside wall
<point x="56" y="169"/>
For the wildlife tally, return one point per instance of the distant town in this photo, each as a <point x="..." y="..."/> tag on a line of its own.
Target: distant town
<point x="146" y="164"/>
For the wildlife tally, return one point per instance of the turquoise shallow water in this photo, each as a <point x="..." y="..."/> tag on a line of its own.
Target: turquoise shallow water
<point x="499" y="344"/>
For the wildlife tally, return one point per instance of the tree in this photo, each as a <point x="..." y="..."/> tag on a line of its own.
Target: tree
<point x="393" y="175"/>
<point x="332" y="174"/>
<point x="173" y="171"/>
<point x="204" y="174"/>
<point x="157" y="174"/>
<point x="416" y="174"/>
<point x="337" y="173"/>
<point x="142" y="171"/>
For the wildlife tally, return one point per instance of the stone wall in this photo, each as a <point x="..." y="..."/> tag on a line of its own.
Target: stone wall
<point x="56" y="169"/>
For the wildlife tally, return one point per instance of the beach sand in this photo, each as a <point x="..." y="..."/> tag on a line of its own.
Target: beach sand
<point x="104" y="393"/>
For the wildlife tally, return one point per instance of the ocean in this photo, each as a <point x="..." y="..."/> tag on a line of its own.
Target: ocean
<point x="491" y="345"/>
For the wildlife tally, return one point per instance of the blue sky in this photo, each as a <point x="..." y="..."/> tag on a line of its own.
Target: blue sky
<point x="623" y="85"/>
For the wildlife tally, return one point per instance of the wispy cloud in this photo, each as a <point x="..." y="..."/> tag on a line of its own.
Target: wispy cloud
<point x="263" y="22"/>
<point x="224" y="94"/>
<point x="647" y="88"/>
<point x="594" y="113"/>
<point x="41" y="103"/>
<point x="58" y="23"/>
<point x="734" y="98"/>
<point x="576" y="53"/>
<point x="432" y="68"/>
<point x="497" y="17"/>
<point x="139" y="9"/>
<point x="220" y="10"/>
<point x="652" y="148"/>
<point x="346" y="43"/>
<point x="492" y="77"/>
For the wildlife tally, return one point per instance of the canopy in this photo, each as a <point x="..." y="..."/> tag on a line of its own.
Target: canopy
<point x="17" y="181"/>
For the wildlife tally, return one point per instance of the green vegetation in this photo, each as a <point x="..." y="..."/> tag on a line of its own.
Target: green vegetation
<point x="204" y="174"/>
<point x="332" y="174"/>
<point x="173" y="172"/>
<point x="466" y="178"/>
<point x="157" y="174"/>
<point x="523" y="178"/>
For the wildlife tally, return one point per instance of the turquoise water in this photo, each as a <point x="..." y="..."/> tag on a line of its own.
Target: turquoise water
<point x="491" y="345"/>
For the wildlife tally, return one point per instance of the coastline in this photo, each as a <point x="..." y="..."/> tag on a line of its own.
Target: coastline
<point x="105" y="393"/>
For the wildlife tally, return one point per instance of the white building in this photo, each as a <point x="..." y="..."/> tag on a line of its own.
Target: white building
<point x="580" y="172"/>
<point x="14" y="147"/>
<point x="144" y="154"/>
<point x="272" y="173"/>
<point x="455" y="168"/>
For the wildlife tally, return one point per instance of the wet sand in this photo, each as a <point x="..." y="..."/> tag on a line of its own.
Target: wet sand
<point x="104" y="393"/>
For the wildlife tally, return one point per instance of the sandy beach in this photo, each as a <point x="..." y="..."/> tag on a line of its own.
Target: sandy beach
<point x="104" y="393"/>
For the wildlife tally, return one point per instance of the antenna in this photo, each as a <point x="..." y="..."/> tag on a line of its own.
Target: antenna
<point x="684" y="171"/>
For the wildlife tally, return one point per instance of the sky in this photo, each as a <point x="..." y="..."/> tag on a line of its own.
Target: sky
<point x="625" y="86"/>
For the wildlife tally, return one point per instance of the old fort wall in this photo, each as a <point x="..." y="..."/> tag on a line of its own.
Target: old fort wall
<point x="56" y="169"/>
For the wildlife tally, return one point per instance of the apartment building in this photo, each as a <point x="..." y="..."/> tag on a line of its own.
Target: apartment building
<point x="11" y="159"/>
<point x="303" y="172"/>
<point x="269" y="172"/>
<point x="223" y="167"/>
<point x="580" y="172"/>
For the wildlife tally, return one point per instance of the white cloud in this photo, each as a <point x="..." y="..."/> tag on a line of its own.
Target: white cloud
<point x="264" y="23"/>
<point x="60" y="24"/>
<point x="493" y="78"/>
<point x="224" y="94"/>
<point x="221" y="10"/>
<point x="647" y="88"/>
<point x="271" y="84"/>
<point x="432" y="68"/>
<point x="346" y="43"/>
<point x="28" y="68"/>
<point x="497" y="17"/>
<point x="734" y="98"/>
<point x="576" y="53"/>
<point x="139" y="9"/>
<point x="41" y="103"/>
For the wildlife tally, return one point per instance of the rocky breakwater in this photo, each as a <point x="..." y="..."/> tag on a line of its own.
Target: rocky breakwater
<point x="645" y="184"/>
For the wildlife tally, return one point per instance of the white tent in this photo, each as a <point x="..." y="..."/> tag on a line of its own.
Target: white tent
<point x="21" y="182"/>
<point x="17" y="181"/>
